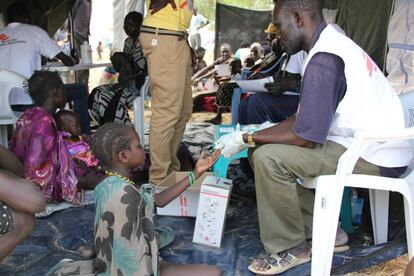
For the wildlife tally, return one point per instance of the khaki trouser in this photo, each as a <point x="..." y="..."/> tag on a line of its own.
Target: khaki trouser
<point x="285" y="208"/>
<point x="169" y="70"/>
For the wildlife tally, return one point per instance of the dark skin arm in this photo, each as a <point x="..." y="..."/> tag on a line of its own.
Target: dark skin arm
<point x="67" y="60"/>
<point x="205" y="24"/>
<point x="281" y="134"/>
<point x="289" y="82"/>
<point x="9" y="162"/>
<point x="157" y="5"/>
<point x="203" y="164"/>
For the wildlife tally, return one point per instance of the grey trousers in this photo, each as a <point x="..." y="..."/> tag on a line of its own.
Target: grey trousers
<point x="195" y="41"/>
<point x="285" y="208"/>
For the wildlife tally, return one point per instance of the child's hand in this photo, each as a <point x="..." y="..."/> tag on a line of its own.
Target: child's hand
<point x="204" y="163"/>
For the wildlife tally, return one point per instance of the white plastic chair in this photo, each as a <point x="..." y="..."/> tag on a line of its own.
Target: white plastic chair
<point x="9" y="80"/>
<point x="139" y="109"/>
<point x="329" y="190"/>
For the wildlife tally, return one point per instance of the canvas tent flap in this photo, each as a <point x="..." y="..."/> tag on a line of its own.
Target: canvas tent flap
<point x="48" y="14"/>
<point x="234" y="25"/>
<point x="400" y="59"/>
<point x="365" y="22"/>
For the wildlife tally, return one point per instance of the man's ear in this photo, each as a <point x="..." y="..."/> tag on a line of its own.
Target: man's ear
<point x="298" y="17"/>
<point x="123" y="156"/>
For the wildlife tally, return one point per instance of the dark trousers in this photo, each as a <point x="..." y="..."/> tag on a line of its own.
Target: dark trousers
<point x="262" y="107"/>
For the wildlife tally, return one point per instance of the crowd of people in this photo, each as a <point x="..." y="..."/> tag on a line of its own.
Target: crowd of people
<point x="53" y="157"/>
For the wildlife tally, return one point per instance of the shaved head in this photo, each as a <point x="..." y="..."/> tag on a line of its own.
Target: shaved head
<point x="313" y="8"/>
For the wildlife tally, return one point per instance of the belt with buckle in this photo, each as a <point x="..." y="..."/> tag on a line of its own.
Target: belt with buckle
<point x="159" y="31"/>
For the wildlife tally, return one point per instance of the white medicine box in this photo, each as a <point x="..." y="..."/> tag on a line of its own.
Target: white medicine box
<point x="211" y="215"/>
<point x="185" y="205"/>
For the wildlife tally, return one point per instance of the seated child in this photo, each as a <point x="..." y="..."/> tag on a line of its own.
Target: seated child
<point x="125" y="241"/>
<point x="110" y="102"/>
<point x="68" y="125"/>
<point x="225" y="91"/>
<point x="133" y="48"/>
<point x="38" y="146"/>
<point x="200" y="63"/>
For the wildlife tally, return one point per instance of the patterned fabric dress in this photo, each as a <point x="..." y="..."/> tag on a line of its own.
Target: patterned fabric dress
<point x="44" y="156"/>
<point x="110" y="103"/>
<point x="125" y="241"/>
<point x="134" y="48"/>
<point x="81" y="153"/>
<point x="225" y="92"/>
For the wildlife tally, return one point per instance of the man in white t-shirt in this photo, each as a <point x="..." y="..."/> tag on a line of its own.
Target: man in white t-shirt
<point x="21" y="47"/>
<point x="197" y="22"/>
<point x="275" y="106"/>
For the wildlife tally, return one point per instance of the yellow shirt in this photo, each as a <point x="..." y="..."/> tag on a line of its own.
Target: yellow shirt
<point x="170" y="19"/>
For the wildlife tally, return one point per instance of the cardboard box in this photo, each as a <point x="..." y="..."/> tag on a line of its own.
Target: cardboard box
<point x="211" y="215"/>
<point x="185" y="205"/>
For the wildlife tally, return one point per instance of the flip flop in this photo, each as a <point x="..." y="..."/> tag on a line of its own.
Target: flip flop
<point x="279" y="263"/>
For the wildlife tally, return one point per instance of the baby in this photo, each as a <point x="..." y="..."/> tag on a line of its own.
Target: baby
<point x="69" y="126"/>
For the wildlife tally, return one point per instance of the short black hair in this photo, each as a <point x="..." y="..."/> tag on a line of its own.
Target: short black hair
<point x="200" y="49"/>
<point x="16" y="12"/>
<point x="118" y="60"/>
<point x="245" y="44"/>
<point x="109" y="140"/>
<point x="135" y="16"/>
<point x="63" y="113"/>
<point x="41" y="84"/>
<point x="311" y="7"/>
<point x="235" y="61"/>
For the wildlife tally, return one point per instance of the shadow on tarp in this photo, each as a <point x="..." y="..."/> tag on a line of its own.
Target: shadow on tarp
<point x="61" y="234"/>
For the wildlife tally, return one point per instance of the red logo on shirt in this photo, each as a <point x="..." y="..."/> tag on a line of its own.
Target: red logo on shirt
<point x="3" y="37"/>
<point x="371" y="66"/>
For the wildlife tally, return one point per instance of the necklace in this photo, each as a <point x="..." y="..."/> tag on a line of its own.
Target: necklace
<point x="109" y="173"/>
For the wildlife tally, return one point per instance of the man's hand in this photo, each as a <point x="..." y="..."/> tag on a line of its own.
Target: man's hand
<point x="291" y="83"/>
<point x="157" y="5"/>
<point x="231" y="143"/>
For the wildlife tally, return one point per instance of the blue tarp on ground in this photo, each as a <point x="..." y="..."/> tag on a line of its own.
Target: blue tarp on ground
<point x="61" y="234"/>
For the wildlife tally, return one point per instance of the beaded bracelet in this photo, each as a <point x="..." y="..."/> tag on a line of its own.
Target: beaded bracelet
<point x="191" y="178"/>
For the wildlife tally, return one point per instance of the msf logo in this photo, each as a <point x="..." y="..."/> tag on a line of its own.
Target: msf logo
<point x="371" y="66"/>
<point x="3" y="37"/>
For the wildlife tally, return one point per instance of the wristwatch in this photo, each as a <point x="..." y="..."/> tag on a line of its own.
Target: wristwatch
<point x="250" y="140"/>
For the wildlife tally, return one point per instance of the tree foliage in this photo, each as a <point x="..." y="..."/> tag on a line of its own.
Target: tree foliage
<point x="208" y="7"/>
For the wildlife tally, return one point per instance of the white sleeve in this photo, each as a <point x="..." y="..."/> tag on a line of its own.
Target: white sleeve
<point x="45" y="45"/>
<point x="295" y="63"/>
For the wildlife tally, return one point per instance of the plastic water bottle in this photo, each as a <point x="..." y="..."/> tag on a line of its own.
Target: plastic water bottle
<point x="86" y="53"/>
<point x="238" y="127"/>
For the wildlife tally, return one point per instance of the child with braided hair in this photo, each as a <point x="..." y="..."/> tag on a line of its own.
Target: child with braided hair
<point x="41" y="150"/>
<point x="125" y="239"/>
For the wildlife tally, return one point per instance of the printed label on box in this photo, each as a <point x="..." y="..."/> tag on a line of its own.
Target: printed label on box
<point x="211" y="215"/>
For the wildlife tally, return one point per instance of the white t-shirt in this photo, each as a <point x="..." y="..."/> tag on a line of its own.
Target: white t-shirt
<point x="21" y="47"/>
<point x="294" y="66"/>
<point x="196" y="21"/>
